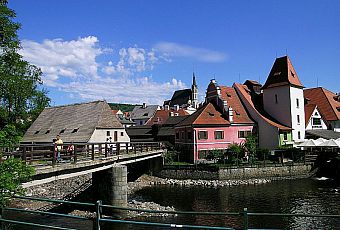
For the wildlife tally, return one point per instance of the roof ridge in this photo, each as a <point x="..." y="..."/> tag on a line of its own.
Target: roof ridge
<point x="78" y="103"/>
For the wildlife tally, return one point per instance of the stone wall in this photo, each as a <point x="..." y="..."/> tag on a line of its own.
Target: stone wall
<point x="237" y="173"/>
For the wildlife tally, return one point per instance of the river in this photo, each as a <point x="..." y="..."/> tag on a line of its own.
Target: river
<point x="287" y="196"/>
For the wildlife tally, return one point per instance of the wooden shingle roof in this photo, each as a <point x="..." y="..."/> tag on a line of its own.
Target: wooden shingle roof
<point x="74" y="123"/>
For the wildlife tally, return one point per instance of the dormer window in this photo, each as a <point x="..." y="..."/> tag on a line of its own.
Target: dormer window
<point x="145" y="114"/>
<point x="62" y="131"/>
<point x="48" y="131"/>
<point x="75" y="130"/>
<point x="228" y="95"/>
<point x="36" y="132"/>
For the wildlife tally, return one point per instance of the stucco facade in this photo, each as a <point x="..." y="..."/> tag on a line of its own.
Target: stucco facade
<point x="188" y="138"/>
<point x="109" y="135"/>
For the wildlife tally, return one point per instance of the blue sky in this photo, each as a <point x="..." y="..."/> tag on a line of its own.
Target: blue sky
<point x="141" y="51"/>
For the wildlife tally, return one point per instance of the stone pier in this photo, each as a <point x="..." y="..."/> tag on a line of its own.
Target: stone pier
<point x="110" y="186"/>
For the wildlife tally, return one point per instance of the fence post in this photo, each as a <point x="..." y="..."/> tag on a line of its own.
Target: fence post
<point x="54" y="157"/>
<point x="24" y="154"/>
<point x="75" y="154"/>
<point x="92" y="152"/>
<point x="106" y="154"/>
<point x="118" y="148"/>
<point x="245" y="218"/>
<point x="127" y="147"/>
<point x="98" y="215"/>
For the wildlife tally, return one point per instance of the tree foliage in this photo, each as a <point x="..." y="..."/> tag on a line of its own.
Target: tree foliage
<point x="22" y="97"/>
<point x="12" y="173"/>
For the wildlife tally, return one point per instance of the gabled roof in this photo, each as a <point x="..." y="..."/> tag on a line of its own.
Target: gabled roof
<point x="282" y="73"/>
<point x="326" y="102"/>
<point x="239" y="113"/>
<point x="141" y="112"/>
<point x="243" y="89"/>
<point x="74" y="123"/>
<point x="205" y="115"/>
<point x="180" y="97"/>
<point x="309" y="109"/>
<point x="162" y="115"/>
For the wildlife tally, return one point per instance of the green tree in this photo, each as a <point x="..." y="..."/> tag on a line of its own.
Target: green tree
<point x="21" y="95"/>
<point x="12" y="173"/>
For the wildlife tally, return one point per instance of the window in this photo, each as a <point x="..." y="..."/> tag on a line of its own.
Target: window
<point x="141" y="122"/>
<point x="75" y="130"/>
<point x="219" y="135"/>
<point x="189" y="135"/>
<point x="177" y="135"/>
<point x="285" y="136"/>
<point x="108" y="133"/>
<point x="121" y="134"/>
<point x="48" y="131"/>
<point x="62" y="131"/>
<point x="298" y="119"/>
<point x="202" y="135"/>
<point x="276" y="101"/>
<point x="182" y="135"/>
<point x="297" y="103"/>
<point x="36" y="132"/>
<point x="243" y="134"/>
<point x="316" y="114"/>
<point x="316" y="121"/>
<point x="299" y="135"/>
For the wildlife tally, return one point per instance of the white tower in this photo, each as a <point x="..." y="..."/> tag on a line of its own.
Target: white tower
<point x="283" y="97"/>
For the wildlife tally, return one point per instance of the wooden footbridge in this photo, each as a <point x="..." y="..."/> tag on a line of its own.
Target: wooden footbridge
<point x="108" y="163"/>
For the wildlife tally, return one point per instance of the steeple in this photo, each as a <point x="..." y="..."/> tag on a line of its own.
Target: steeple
<point x="282" y="73"/>
<point x="194" y="92"/>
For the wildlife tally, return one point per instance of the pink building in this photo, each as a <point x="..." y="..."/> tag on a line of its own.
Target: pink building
<point x="221" y="121"/>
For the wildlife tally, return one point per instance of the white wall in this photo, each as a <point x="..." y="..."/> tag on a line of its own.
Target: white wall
<point x="280" y="110"/>
<point x="100" y="135"/>
<point x="297" y="93"/>
<point x="315" y="114"/>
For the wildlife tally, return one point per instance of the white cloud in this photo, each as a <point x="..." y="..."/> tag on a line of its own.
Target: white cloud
<point x="178" y="50"/>
<point x="73" y="67"/>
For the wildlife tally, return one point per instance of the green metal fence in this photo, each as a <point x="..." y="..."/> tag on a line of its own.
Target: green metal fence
<point x="99" y="219"/>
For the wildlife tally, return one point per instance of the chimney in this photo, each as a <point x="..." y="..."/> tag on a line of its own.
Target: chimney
<point x="166" y="107"/>
<point x="144" y="105"/>
<point x="176" y="107"/>
<point x="230" y="111"/>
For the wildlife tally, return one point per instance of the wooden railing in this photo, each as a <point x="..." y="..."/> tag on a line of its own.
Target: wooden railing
<point x="46" y="154"/>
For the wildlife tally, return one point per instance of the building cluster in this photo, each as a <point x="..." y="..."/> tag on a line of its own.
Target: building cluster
<point x="279" y="113"/>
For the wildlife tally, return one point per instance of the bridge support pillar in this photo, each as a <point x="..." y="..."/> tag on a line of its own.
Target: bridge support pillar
<point x="110" y="186"/>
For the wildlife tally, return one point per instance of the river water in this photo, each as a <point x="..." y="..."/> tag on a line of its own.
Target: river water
<point x="305" y="196"/>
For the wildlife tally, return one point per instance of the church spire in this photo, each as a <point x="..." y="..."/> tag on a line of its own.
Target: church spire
<point x="194" y="92"/>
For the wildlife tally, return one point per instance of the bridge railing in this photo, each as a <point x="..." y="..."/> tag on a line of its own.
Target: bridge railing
<point x="99" y="219"/>
<point x="47" y="154"/>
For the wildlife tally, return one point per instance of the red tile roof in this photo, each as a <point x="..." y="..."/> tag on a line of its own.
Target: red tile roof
<point x="282" y="73"/>
<point x="162" y="115"/>
<point x="243" y="89"/>
<point x="239" y="112"/>
<point x="206" y="115"/>
<point x="309" y="108"/>
<point x="325" y="100"/>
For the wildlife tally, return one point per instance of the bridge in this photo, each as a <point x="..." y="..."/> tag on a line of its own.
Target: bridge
<point x="108" y="163"/>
